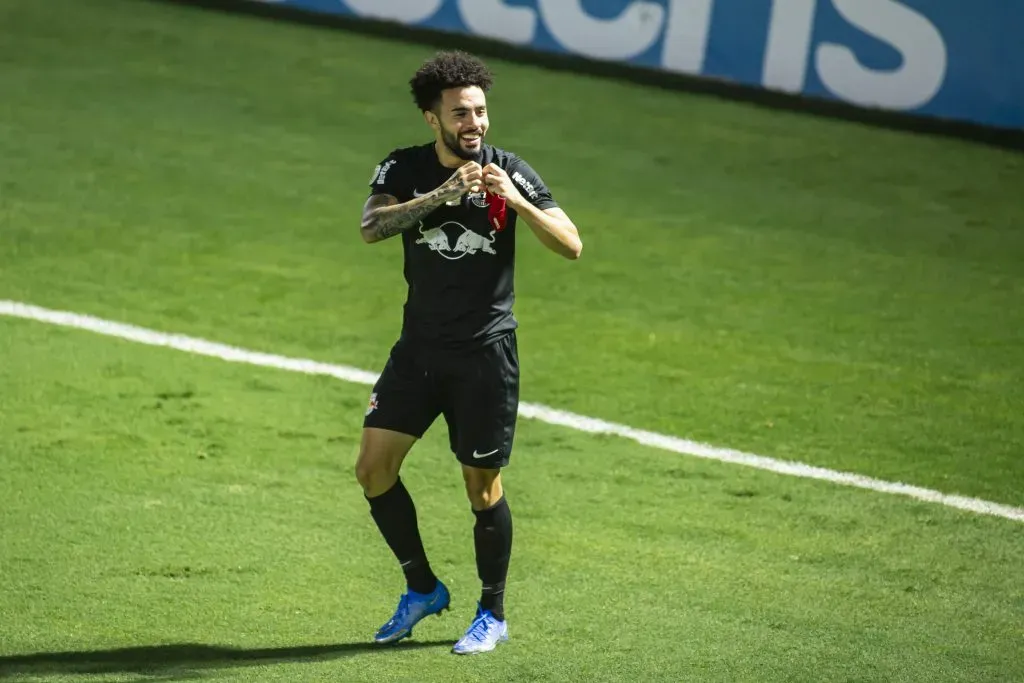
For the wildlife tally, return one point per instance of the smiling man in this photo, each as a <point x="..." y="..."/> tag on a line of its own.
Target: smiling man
<point x="455" y="202"/>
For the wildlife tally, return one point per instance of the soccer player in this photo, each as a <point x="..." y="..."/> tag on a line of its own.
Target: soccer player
<point x="455" y="203"/>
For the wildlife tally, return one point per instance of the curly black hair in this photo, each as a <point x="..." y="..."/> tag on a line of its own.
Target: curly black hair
<point x="448" y="69"/>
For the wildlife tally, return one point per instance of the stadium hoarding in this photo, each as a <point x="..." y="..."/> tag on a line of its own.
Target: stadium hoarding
<point x="944" y="59"/>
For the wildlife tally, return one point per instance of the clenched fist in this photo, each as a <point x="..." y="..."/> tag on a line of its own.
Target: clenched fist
<point x="499" y="183"/>
<point x="467" y="178"/>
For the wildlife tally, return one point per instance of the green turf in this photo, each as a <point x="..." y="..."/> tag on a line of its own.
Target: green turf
<point x="207" y="511"/>
<point x="800" y="288"/>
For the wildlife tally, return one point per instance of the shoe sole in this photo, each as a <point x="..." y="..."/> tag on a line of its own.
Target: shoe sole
<point x="502" y="639"/>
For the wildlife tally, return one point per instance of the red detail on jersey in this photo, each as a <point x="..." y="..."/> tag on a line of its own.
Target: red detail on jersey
<point x="496" y="212"/>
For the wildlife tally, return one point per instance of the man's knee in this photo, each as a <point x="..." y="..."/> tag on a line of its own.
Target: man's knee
<point x="483" y="487"/>
<point x="372" y="475"/>
<point x="380" y="457"/>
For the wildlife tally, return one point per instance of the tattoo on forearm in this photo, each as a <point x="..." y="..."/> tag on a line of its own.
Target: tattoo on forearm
<point x="384" y="217"/>
<point x="392" y="220"/>
<point x="397" y="219"/>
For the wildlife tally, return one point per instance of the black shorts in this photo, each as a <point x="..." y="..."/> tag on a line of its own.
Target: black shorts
<point x="477" y="391"/>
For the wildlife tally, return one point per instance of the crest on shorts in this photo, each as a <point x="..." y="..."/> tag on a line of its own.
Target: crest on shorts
<point x="372" y="406"/>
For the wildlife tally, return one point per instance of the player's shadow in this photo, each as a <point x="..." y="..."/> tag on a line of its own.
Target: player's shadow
<point x="187" y="660"/>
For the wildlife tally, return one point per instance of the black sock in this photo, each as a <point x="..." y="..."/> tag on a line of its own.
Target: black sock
<point x="395" y="515"/>
<point x="493" y="539"/>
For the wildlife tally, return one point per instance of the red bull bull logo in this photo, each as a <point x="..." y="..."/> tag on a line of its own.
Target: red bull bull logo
<point x="453" y="240"/>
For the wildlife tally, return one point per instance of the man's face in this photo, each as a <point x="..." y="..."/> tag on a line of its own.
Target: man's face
<point x="462" y="121"/>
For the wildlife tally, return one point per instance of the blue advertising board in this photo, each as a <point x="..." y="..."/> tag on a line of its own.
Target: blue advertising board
<point x="949" y="59"/>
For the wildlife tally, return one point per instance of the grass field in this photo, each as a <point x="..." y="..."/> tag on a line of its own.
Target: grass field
<point x="795" y="287"/>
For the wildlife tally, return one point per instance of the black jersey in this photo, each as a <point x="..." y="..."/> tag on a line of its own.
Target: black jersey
<point x="458" y="267"/>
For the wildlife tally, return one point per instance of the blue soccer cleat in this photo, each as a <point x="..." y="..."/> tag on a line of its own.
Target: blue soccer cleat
<point x="412" y="607"/>
<point x="483" y="634"/>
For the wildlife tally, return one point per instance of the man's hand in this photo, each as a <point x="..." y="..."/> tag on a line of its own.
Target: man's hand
<point x="384" y="216"/>
<point x="551" y="226"/>
<point x="467" y="178"/>
<point x="499" y="183"/>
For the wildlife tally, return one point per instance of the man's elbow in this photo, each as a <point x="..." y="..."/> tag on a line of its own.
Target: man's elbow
<point x="368" y="232"/>
<point x="573" y="250"/>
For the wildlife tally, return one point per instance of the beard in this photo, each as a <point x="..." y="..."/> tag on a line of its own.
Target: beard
<point x="451" y="141"/>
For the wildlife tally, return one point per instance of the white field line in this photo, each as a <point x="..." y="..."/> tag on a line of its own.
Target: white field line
<point x="529" y="410"/>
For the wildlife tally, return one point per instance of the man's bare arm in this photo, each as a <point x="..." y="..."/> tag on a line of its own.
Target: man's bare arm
<point x="384" y="217"/>
<point x="553" y="228"/>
